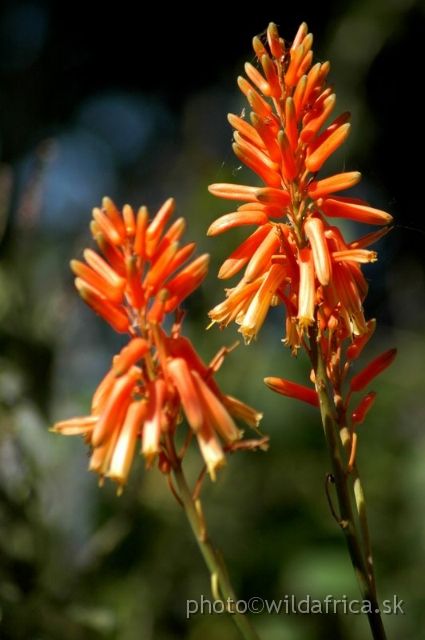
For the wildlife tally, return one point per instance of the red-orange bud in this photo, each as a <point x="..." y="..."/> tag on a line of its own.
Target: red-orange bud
<point x="373" y="369"/>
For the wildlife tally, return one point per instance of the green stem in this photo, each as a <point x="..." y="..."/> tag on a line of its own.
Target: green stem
<point x="211" y="556"/>
<point x="346" y="515"/>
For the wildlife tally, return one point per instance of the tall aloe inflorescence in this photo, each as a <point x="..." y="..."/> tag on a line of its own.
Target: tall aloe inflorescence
<point x="298" y="258"/>
<point x="143" y="276"/>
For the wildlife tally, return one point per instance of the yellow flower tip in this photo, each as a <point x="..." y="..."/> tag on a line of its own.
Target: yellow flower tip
<point x="75" y="426"/>
<point x="123" y="453"/>
<point x="242" y="411"/>
<point x="211" y="450"/>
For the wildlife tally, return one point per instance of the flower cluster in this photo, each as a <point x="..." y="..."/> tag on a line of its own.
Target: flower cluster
<point x="296" y="256"/>
<point x="304" y="261"/>
<point x="143" y="275"/>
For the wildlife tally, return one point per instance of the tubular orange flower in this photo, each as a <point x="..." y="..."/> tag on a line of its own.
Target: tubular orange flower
<point x="373" y="369"/>
<point x="286" y="144"/>
<point x="145" y="274"/>
<point x="293" y="390"/>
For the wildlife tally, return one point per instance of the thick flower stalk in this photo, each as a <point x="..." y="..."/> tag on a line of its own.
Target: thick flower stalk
<point x="141" y="274"/>
<point x="297" y="256"/>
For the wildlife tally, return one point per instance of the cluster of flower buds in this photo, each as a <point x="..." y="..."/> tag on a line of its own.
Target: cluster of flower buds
<point x="296" y="256"/>
<point x="143" y="275"/>
<point x="304" y="261"/>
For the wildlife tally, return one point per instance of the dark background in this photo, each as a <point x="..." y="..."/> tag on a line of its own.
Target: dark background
<point x="131" y="102"/>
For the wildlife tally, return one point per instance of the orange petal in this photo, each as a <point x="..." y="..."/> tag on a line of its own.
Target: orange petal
<point x="307" y="292"/>
<point x="115" y="217"/>
<point x="276" y="44"/>
<point x="119" y="397"/>
<point x="261" y="257"/>
<point x="356" y="347"/>
<point x="365" y="404"/>
<point x="156" y="227"/>
<point x="114" y="315"/>
<point x="183" y="380"/>
<point x="337" y="182"/>
<point x="234" y="191"/>
<point x="258" y="162"/>
<point x="373" y="369"/>
<point x="139" y="246"/>
<point x="255" y="76"/>
<point x="75" y="426"/>
<point x="293" y="390"/>
<point x="129" y="221"/>
<point x="129" y="355"/>
<point x="236" y="219"/>
<point x="152" y="428"/>
<point x="242" y="254"/>
<point x="211" y="449"/>
<point x="315" y="232"/>
<point x="101" y="267"/>
<point x="123" y="454"/>
<point x="289" y="166"/>
<point x="315" y="161"/>
<point x="216" y="413"/>
<point x="339" y="207"/>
